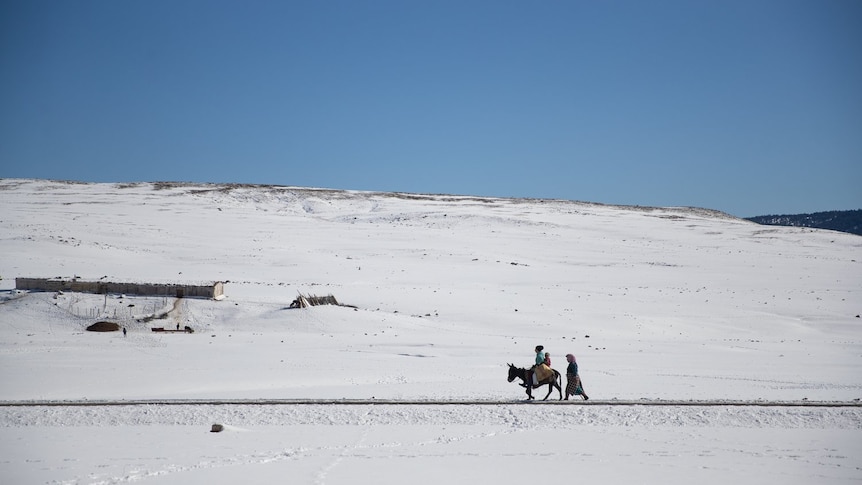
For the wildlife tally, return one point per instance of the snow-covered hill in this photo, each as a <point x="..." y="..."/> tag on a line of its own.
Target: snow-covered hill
<point x="656" y="303"/>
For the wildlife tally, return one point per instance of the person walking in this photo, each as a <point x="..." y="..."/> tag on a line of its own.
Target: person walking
<point x="574" y="386"/>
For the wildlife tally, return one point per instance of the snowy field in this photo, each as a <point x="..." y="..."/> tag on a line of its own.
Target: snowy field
<point x="714" y="350"/>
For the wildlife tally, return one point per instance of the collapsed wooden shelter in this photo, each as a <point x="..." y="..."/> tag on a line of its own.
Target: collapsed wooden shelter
<point x="305" y="301"/>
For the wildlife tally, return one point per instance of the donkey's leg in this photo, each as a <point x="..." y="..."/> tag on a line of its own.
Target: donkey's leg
<point x="550" y="389"/>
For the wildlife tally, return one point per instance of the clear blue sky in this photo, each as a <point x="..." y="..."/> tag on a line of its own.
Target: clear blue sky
<point x="747" y="106"/>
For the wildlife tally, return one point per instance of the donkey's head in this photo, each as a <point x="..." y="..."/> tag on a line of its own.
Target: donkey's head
<point x="513" y="372"/>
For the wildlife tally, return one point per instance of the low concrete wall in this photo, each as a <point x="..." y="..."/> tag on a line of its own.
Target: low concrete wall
<point x="214" y="290"/>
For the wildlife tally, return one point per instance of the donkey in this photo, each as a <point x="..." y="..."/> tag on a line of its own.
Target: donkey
<point x="552" y="382"/>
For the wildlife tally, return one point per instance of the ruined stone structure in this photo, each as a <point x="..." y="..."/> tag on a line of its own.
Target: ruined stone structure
<point x="213" y="290"/>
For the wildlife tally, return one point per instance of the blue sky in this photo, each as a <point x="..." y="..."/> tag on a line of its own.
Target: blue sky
<point x="750" y="107"/>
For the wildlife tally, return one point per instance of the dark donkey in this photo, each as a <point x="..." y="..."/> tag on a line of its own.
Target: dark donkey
<point x="552" y="382"/>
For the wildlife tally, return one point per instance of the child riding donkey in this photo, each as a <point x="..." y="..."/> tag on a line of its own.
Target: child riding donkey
<point x="538" y="375"/>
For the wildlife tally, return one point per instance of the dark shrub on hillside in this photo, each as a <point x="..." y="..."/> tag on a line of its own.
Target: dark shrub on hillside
<point x="103" y="327"/>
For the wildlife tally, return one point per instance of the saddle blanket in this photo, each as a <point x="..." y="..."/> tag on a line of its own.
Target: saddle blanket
<point x="541" y="373"/>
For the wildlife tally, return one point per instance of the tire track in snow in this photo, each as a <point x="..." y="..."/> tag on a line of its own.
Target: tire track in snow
<point x="435" y="402"/>
<point x="514" y="418"/>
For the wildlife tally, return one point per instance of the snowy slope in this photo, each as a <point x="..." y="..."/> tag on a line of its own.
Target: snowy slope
<point x="657" y="303"/>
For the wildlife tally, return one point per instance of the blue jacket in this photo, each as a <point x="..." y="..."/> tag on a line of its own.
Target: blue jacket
<point x="572" y="368"/>
<point x="540" y="358"/>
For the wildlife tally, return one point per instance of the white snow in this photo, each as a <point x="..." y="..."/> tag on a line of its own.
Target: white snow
<point x="702" y="313"/>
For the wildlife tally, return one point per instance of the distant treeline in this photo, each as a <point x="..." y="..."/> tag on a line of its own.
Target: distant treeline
<point x="844" y="221"/>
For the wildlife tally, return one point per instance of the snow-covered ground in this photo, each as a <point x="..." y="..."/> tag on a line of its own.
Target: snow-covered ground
<point x="658" y="304"/>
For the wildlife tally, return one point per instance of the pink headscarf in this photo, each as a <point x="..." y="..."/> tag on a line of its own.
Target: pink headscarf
<point x="570" y="357"/>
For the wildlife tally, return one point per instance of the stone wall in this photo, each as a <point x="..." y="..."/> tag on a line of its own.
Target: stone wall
<point x="213" y="290"/>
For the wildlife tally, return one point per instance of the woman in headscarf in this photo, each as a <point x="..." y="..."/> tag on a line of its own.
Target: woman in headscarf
<point x="542" y="369"/>
<point x="538" y="371"/>
<point x="574" y="386"/>
<point x="540" y="356"/>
